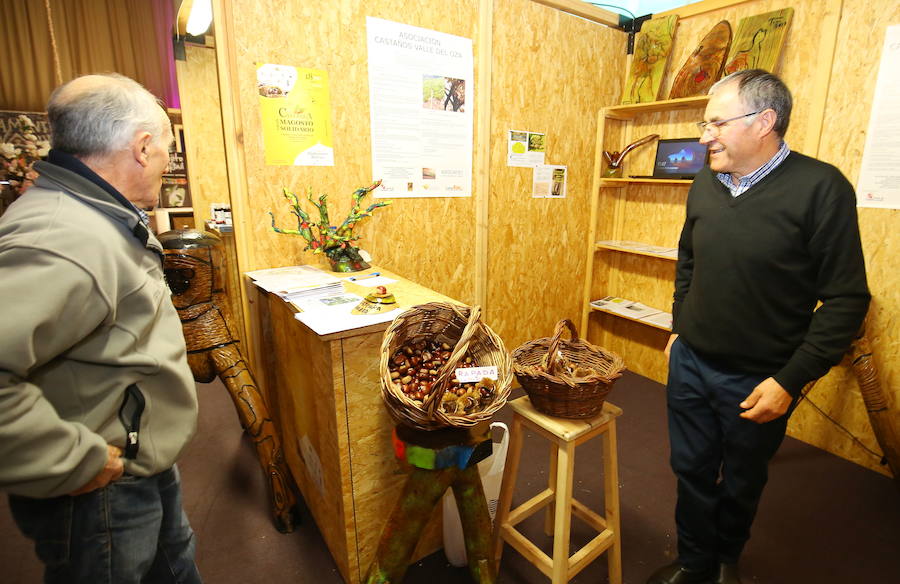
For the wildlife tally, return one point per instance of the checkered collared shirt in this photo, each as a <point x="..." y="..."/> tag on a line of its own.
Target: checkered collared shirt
<point x="757" y="175"/>
<point x="145" y="218"/>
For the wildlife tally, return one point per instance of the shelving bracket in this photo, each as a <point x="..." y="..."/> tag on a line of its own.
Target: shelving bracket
<point x="632" y="26"/>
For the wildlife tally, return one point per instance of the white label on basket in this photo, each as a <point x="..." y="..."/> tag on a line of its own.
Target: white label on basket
<point x="475" y="374"/>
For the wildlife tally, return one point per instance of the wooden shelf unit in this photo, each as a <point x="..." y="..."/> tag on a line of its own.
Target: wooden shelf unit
<point x="628" y="272"/>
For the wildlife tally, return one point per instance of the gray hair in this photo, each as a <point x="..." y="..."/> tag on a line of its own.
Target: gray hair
<point x="97" y="115"/>
<point x="759" y="90"/>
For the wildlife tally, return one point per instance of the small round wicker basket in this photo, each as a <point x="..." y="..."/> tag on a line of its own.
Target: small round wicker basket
<point x="462" y="328"/>
<point x="562" y="395"/>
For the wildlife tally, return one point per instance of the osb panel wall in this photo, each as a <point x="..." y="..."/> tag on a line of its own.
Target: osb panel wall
<point x="860" y="41"/>
<point x="430" y="241"/>
<point x="551" y="73"/>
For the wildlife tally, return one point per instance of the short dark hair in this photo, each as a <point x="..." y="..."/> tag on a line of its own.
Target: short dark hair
<point x="760" y="90"/>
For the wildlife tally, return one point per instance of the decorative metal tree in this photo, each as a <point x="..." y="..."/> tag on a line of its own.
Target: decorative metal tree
<point x="336" y="242"/>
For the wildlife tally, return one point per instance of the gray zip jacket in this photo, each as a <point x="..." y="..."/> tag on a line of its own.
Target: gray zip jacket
<point x="91" y="348"/>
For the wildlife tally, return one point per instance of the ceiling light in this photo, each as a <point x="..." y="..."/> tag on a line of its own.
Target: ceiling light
<point x="200" y="18"/>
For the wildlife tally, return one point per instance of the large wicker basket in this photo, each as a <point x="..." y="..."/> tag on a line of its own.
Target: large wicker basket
<point x="462" y="328"/>
<point x="563" y="395"/>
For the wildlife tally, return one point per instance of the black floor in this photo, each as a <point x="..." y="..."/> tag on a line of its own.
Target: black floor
<point x="822" y="520"/>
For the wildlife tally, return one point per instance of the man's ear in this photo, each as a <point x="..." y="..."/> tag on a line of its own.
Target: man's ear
<point x="139" y="146"/>
<point x="768" y="118"/>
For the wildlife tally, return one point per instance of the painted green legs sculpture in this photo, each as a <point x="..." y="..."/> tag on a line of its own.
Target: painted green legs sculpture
<point x="423" y="491"/>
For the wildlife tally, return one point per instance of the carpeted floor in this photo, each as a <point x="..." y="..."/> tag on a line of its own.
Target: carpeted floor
<point x="823" y="520"/>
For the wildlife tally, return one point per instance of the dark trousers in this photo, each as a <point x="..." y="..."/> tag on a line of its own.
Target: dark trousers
<point x="720" y="459"/>
<point x="132" y="531"/>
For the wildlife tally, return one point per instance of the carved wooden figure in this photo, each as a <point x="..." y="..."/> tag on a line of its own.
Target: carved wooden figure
<point x="194" y="271"/>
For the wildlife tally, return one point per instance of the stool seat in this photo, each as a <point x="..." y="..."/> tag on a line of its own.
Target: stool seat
<point x="564" y="428"/>
<point x="564" y="435"/>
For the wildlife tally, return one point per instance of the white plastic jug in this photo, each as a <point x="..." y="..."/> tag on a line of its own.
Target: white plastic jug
<point x="491" y="471"/>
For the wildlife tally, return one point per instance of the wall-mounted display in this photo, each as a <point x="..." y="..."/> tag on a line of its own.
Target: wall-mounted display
<point x="758" y="41"/>
<point x="651" y="55"/>
<point x="704" y="66"/>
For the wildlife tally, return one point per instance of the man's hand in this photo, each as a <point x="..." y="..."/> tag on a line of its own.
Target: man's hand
<point x="111" y="471"/>
<point x="668" y="348"/>
<point x="767" y="401"/>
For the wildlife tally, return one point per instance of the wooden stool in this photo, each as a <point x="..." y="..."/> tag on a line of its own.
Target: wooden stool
<point x="564" y="435"/>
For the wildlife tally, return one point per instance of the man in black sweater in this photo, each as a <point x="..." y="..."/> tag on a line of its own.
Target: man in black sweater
<point x="769" y="233"/>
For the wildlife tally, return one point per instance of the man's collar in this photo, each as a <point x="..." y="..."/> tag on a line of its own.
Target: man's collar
<point x="73" y="164"/>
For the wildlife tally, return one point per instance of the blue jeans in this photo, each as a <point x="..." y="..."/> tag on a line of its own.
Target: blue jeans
<point x="132" y="531"/>
<point x="720" y="459"/>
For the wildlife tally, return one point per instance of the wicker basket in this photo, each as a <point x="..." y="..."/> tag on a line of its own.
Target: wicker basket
<point x="562" y="395"/>
<point x="460" y="327"/>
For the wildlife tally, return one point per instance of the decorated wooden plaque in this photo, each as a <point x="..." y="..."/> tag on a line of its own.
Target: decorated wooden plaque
<point x="704" y="66"/>
<point x="758" y="41"/>
<point x="651" y="54"/>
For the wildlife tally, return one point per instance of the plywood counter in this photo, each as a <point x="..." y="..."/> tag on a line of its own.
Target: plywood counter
<point x="324" y="393"/>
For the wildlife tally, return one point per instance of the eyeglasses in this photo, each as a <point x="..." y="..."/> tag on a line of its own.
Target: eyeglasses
<point x="715" y="128"/>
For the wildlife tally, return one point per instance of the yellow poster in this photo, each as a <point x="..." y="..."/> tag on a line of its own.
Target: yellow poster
<point x="296" y="115"/>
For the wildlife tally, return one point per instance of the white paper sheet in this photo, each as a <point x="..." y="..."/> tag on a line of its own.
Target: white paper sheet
<point x="421" y="93"/>
<point x="879" y="175"/>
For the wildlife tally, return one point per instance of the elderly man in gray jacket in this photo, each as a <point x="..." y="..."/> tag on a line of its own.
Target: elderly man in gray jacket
<point x="96" y="397"/>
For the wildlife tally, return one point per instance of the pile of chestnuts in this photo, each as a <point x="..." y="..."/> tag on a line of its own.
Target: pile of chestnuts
<point x="415" y="367"/>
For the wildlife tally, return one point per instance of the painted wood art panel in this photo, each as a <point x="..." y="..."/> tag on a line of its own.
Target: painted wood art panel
<point x="758" y="41"/>
<point x="704" y="66"/>
<point x="652" y="48"/>
<point x="551" y="73"/>
<point x="426" y="239"/>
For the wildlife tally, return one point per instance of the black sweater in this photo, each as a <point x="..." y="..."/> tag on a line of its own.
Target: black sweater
<point x="751" y="270"/>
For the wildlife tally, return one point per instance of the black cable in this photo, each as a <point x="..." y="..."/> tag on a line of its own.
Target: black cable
<point x="880" y="457"/>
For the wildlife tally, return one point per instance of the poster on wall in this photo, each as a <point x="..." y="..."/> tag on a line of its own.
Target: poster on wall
<point x="549" y="181"/>
<point x="879" y="175"/>
<point x="525" y="148"/>
<point x="295" y="107"/>
<point x="420" y="103"/>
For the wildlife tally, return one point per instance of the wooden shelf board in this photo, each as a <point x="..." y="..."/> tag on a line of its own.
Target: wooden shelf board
<point x="666" y="105"/>
<point x="620" y="182"/>
<point x="623" y="317"/>
<point x="635" y="252"/>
